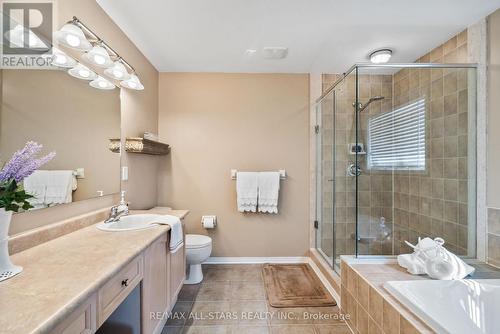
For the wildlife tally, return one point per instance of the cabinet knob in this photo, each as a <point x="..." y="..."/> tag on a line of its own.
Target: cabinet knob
<point x="125" y="282"/>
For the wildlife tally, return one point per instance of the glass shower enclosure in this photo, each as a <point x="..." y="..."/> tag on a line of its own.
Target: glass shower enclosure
<point x="395" y="159"/>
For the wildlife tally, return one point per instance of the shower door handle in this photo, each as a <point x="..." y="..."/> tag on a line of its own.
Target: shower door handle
<point x="331" y="180"/>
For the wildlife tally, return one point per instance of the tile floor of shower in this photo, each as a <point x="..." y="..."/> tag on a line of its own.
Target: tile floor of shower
<point x="240" y="289"/>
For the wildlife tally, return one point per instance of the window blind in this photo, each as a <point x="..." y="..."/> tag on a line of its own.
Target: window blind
<point x="396" y="139"/>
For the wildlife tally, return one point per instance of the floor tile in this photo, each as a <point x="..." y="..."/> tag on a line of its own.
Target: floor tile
<point x="206" y="330"/>
<point x="250" y="312"/>
<point x="180" y="313"/>
<point x="232" y="299"/>
<point x="249" y="330"/>
<point x="189" y="292"/>
<point x="289" y="315"/>
<point x="172" y="330"/>
<point x="292" y="329"/>
<point x="247" y="291"/>
<point x="206" y="313"/>
<point x="214" y="291"/>
<point x="330" y="329"/>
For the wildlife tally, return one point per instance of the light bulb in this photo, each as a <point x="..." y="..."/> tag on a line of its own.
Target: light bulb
<point x="61" y="59"/>
<point x="84" y="73"/>
<point x="98" y="59"/>
<point x="118" y="74"/>
<point x="72" y="40"/>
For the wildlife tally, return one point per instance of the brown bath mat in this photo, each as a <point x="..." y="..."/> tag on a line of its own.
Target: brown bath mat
<point x="294" y="285"/>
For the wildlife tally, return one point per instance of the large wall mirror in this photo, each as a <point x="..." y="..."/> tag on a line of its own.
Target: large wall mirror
<point x="70" y="118"/>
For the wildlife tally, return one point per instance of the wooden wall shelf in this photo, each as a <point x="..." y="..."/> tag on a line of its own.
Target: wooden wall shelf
<point x="140" y="145"/>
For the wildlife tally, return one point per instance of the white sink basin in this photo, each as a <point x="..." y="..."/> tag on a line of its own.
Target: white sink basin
<point x="129" y="223"/>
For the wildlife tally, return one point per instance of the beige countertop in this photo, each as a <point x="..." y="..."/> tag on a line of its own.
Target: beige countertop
<point x="62" y="273"/>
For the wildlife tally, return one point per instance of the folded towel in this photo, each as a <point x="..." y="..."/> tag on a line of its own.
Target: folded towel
<point x="60" y="185"/>
<point x="269" y="186"/>
<point x="50" y="187"/>
<point x="246" y="191"/>
<point x="176" y="235"/>
<point x="431" y="258"/>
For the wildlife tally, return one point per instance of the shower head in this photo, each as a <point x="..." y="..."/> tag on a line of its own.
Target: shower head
<point x="373" y="99"/>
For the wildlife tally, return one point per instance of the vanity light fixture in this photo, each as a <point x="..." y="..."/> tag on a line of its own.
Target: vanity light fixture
<point x="380" y="56"/>
<point x="60" y="59"/>
<point x="77" y="35"/>
<point x="72" y="36"/>
<point x="102" y="83"/>
<point x="82" y="72"/>
<point x="117" y="71"/>
<point x="98" y="56"/>
<point x="132" y="83"/>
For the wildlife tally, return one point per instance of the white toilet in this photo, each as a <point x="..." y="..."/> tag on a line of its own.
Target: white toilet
<point x="198" y="249"/>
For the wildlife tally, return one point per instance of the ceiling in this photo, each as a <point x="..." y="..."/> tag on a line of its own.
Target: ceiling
<point x="323" y="36"/>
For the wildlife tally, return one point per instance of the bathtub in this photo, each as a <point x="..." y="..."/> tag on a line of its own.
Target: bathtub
<point x="456" y="307"/>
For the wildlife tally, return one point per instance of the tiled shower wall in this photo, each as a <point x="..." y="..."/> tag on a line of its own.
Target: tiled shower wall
<point x="375" y="188"/>
<point x="431" y="203"/>
<point x="434" y="202"/>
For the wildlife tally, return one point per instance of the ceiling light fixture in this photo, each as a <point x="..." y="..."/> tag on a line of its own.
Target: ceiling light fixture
<point x="102" y="83"/>
<point x="72" y="36"/>
<point x="82" y="72"/>
<point x="117" y="71"/>
<point x="132" y="83"/>
<point x="60" y="59"/>
<point x="380" y="56"/>
<point x="98" y="56"/>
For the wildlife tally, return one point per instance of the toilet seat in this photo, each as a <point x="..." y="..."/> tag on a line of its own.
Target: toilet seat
<point x="194" y="241"/>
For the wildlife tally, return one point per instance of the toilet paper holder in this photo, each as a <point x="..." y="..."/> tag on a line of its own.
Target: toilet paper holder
<point x="208" y="221"/>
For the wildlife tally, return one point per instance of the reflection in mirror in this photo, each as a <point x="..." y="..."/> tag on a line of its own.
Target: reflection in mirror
<point x="70" y="118"/>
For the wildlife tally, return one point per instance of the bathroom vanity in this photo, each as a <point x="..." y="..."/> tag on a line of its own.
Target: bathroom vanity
<point x="73" y="283"/>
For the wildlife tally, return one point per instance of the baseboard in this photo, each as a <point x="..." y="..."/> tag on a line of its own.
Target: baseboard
<point x="256" y="260"/>
<point x="279" y="259"/>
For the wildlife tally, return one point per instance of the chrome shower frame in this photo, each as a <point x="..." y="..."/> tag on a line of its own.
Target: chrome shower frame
<point x="359" y="107"/>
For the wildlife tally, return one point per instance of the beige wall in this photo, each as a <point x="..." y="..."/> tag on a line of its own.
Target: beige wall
<point x="68" y="117"/>
<point x="493" y="161"/>
<point x="219" y="122"/>
<point x="139" y="113"/>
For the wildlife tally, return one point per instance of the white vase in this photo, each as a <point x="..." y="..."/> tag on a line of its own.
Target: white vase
<point x="7" y="269"/>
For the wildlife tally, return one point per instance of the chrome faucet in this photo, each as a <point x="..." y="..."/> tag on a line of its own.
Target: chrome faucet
<point x="116" y="213"/>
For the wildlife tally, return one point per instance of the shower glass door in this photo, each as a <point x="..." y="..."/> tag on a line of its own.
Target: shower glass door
<point x="335" y="190"/>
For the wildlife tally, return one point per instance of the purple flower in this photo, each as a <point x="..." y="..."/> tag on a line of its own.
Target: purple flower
<point x="24" y="162"/>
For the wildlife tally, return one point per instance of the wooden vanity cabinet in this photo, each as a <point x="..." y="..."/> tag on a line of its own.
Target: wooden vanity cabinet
<point x="177" y="273"/>
<point x="161" y="274"/>
<point x="155" y="293"/>
<point x="82" y="321"/>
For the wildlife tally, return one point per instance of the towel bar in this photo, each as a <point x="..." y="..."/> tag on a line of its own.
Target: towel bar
<point x="281" y="171"/>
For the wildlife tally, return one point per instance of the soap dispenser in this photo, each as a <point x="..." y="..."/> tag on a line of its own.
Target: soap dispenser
<point x="123" y="206"/>
<point x="383" y="232"/>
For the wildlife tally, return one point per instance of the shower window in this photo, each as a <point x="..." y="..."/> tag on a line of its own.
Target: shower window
<point x="396" y="139"/>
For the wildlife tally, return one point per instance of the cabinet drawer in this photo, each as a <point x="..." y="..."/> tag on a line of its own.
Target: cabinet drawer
<point x="117" y="288"/>
<point x="81" y="321"/>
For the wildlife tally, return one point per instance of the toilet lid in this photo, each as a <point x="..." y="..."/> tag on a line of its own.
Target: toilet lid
<point x="197" y="241"/>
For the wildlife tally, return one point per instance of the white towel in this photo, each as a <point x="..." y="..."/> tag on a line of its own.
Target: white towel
<point x="60" y="186"/>
<point x="176" y="235"/>
<point x="269" y="187"/>
<point x="50" y="187"/>
<point x="431" y="258"/>
<point x="246" y="191"/>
